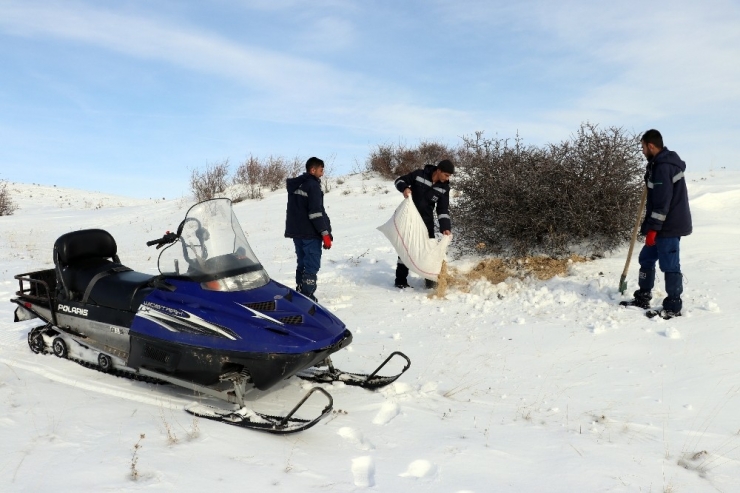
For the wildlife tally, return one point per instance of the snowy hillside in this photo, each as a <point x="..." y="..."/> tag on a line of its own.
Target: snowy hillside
<point x="523" y="386"/>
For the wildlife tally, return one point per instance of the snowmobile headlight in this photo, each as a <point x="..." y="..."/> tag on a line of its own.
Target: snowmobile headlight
<point x="242" y="282"/>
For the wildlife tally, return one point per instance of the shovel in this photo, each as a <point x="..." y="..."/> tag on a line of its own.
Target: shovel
<point x="623" y="279"/>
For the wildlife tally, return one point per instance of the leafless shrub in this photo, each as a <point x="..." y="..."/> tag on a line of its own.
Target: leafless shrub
<point x="7" y="206"/>
<point x="274" y="173"/>
<point x="296" y="167"/>
<point x="255" y="174"/>
<point x="211" y="182"/>
<point x="523" y="200"/>
<point x="326" y="180"/>
<point x="382" y="161"/>
<point x="391" y="161"/>
<point x="250" y="175"/>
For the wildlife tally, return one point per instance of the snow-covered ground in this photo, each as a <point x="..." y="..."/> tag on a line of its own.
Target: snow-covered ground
<point x="524" y="386"/>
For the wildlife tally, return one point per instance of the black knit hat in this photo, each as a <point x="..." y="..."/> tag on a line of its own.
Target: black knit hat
<point x="446" y="166"/>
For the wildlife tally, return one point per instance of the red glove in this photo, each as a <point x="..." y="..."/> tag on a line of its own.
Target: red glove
<point x="650" y="237"/>
<point x="327" y="242"/>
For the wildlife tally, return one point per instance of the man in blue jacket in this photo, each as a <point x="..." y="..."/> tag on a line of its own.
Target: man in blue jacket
<point x="308" y="224"/>
<point x="429" y="189"/>
<point x="667" y="219"/>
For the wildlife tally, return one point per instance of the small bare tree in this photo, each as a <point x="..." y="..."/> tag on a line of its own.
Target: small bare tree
<point x="7" y="207"/>
<point x="249" y="174"/>
<point x="211" y="182"/>
<point x="275" y="171"/>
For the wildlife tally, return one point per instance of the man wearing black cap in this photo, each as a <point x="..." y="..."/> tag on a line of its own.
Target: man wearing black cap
<point x="429" y="189"/>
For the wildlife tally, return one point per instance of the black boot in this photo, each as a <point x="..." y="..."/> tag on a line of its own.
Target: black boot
<point x="429" y="284"/>
<point x="402" y="273"/>
<point x="308" y="286"/>
<point x="641" y="300"/>
<point x="673" y="287"/>
<point x="665" y="314"/>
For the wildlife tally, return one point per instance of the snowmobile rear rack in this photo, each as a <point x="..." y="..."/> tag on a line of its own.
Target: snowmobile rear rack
<point x="370" y="382"/>
<point x="37" y="290"/>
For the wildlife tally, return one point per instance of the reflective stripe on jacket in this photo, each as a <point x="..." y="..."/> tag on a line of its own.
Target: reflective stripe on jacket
<point x="305" y="216"/>
<point x="667" y="205"/>
<point x="427" y="196"/>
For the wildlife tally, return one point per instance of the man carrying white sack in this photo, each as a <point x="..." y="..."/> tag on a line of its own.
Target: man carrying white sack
<point x="429" y="189"/>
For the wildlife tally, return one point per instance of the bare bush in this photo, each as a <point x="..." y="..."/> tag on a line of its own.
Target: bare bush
<point x="296" y="167"/>
<point x="274" y="173"/>
<point x="254" y="175"/>
<point x="7" y="206"/>
<point x="326" y="179"/>
<point x="521" y="200"/>
<point x="391" y="161"/>
<point x="211" y="182"/>
<point x="430" y="152"/>
<point x="382" y="161"/>
<point x="250" y="175"/>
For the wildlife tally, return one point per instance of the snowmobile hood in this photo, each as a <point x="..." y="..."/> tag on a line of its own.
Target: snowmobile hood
<point x="271" y="319"/>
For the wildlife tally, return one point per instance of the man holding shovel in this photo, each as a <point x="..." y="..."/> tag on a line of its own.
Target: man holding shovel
<point x="667" y="219"/>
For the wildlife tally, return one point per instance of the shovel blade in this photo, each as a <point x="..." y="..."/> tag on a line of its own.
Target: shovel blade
<point x="622" y="284"/>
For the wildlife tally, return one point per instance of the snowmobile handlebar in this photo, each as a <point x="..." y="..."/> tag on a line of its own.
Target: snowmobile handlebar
<point x="165" y="240"/>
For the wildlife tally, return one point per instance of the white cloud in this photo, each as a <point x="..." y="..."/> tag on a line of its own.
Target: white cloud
<point x="622" y="63"/>
<point x="190" y="48"/>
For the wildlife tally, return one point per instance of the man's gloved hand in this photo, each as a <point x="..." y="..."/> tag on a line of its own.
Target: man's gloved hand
<point x="327" y="242"/>
<point x="650" y="237"/>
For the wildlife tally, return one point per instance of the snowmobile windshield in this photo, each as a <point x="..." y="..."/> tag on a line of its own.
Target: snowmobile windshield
<point x="212" y="249"/>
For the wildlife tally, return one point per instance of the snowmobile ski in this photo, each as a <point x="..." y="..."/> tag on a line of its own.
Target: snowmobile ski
<point x="248" y="418"/>
<point x="371" y="381"/>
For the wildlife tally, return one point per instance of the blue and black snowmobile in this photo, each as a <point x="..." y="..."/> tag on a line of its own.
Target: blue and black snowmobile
<point x="212" y="321"/>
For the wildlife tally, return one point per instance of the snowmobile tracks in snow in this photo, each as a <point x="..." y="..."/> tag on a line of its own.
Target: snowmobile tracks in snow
<point x="368" y="381"/>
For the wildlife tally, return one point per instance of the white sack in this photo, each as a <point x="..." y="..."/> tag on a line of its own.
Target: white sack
<point x="408" y="235"/>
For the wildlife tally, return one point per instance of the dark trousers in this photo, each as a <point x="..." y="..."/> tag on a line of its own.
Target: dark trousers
<point x="402" y="272"/>
<point x="308" y="253"/>
<point x="666" y="253"/>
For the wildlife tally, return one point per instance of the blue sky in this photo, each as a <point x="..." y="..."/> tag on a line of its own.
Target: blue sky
<point x="129" y="96"/>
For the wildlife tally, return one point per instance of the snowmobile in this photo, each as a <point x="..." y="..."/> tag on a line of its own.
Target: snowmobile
<point x="212" y="321"/>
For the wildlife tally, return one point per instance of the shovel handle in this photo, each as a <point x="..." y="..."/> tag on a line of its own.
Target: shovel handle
<point x="622" y="283"/>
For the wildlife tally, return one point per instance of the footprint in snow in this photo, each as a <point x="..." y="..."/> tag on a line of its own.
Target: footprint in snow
<point x="363" y="470"/>
<point x="355" y="437"/>
<point x="597" y="328"/>
<point x="389" y="411"/>
<point x="672" y="333"/>
<point x="420" y="469"/>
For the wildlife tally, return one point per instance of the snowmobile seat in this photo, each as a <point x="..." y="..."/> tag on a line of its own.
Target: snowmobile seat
<point x="89" y="271"/>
